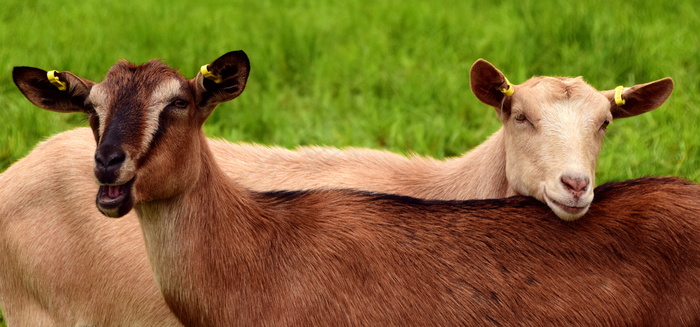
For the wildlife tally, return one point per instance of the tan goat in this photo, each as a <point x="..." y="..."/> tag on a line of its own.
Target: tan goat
<point x="61" y="262"/>
<point x="547" y="148"/>
<point x="224" y="255"/>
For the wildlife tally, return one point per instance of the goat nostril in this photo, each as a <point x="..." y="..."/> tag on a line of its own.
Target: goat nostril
<point x="117" y="158"/>
<point x="109" y="159"/>
<point x="575" y="184"/>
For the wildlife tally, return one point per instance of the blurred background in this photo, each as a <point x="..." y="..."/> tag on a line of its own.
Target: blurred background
<point x="382" y="74"/>
<point x="390" y="74"/>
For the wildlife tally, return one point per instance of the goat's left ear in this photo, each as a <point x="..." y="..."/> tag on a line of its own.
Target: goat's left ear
<point x="64" y="92"/>
<point x="222" y="80"/>
<point x="640" y="98"/>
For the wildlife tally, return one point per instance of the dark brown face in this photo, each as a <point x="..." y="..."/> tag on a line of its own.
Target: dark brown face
<point x="146" y="120"/>
<point x="132" y="110"/>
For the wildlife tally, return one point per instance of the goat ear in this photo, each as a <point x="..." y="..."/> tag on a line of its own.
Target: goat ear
<point x="640" y="98"/>
<point x="488" y="83"/>
<point x="35" y="85"/>
<point x="222" y="80"/>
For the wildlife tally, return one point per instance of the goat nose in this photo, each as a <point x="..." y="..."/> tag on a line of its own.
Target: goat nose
<point x="109" y="158"/>
<point x="575" y="185"/>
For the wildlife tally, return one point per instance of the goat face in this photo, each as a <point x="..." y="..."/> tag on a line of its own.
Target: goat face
<point x="138" y="109"/>
<point x="554" y="128"/>
<point x="142" y="118"/>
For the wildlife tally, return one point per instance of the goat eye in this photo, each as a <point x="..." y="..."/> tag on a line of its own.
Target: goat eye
<point x="520" y="118"/>
<point x="89" y="107"/>
<point x="180" y="103"/>
<point x="605" y="124"/>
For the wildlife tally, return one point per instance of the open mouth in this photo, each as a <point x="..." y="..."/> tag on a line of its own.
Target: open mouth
<point x="112" y="198"/>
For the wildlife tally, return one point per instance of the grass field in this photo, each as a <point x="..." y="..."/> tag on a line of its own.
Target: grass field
<point x="382" y="74"/>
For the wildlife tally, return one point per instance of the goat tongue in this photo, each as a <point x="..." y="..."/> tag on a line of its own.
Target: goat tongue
<point x="113" y="192"/>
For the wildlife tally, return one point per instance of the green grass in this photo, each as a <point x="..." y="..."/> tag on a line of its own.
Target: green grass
<point x="391" y="74"/>
<point x="383" y="74"/>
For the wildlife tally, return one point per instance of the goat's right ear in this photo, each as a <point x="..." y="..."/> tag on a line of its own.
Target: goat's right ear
<point x="488" y="83"/>
<point x="66" y="93"/>
<point x="222" y="80"/>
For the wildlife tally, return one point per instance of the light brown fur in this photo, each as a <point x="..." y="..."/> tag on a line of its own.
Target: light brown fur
<point x="225" y="256"/>
<point x="70" y="268"/>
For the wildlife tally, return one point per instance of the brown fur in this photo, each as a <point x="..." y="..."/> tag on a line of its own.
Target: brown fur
<point x="224" y="255"/>
<point x="307" y="168"/>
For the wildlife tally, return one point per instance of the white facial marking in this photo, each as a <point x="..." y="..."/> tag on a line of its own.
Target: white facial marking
<point x="568" y="127"/>
<point x="99" y="99"/>
<point x="161" y="97"/>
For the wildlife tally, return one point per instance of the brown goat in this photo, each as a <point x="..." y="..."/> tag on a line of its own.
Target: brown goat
<point x="224" y="255"/>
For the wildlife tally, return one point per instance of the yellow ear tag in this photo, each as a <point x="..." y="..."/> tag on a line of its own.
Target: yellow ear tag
<point x="508" y="89"/>
<point x="206" y="73"/>
<point x="52" y="75"/>
<point x="618" y="96"/>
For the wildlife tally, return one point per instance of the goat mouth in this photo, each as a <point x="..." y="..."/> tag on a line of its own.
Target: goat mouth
<point x="575" y="212"/>
<point x="115" y="200"/>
